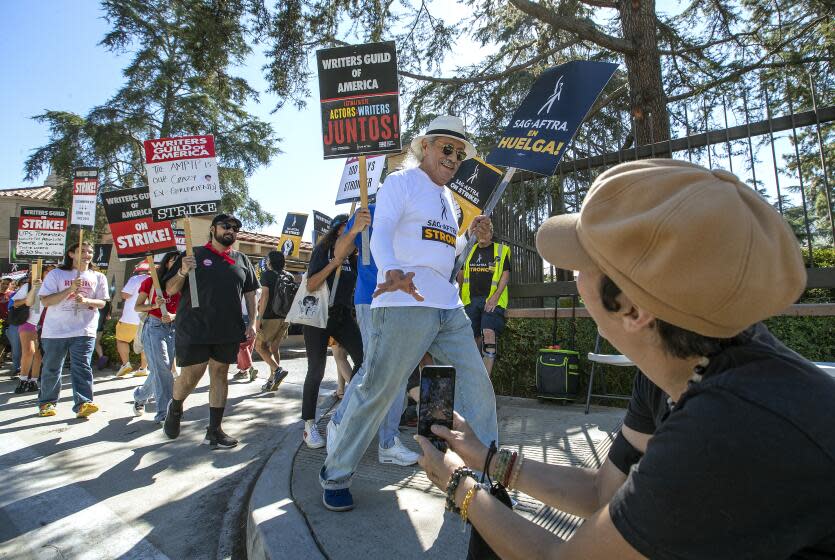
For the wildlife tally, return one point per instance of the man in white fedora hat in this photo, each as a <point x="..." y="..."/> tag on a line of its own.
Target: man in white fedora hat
<point x="416" y="309"/>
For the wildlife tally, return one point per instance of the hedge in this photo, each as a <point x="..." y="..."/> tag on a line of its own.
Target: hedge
<point x="514" y="373"/>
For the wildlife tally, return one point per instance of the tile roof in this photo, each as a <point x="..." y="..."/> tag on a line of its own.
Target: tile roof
<point x="251" y="237"/>
<point x="33" y="193"/>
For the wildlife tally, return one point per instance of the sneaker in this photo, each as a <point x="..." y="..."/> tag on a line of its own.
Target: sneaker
<point x="215" y="437"/>
<point x="102" y="362"/>
<point x="171" y="426"/>
<point x="33" y="386"/>
<point x="397" y="454"/>
<point x="86" y="409"/>
<point x="22" y="386"/>
<point x="124" y="370"/>
<point x="338" y="500"/>
<point x="141" y="372"/>
<point x="138" y="408"/>
<point x="333" y="428"/>
<point x="46" y="409"/>
<point x="277" y="378"/>
<point x="313" y="439"/>
<point x="253" y="374"/>
<point x="241" y="375"/>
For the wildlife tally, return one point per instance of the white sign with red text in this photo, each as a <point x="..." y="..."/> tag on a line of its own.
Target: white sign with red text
<point x="349" y="186"/>
<point x="41" y="232"/>
<point x="182" y="177"/>
<point x="85" y="187"/>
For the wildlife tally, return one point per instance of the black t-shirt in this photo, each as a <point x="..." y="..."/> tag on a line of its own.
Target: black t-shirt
<point x="482" y="266"/>
<point x="220" y="286"/>
<point x="347" y="278"/>
<point x="743" y="466"/>
<point x="268" y="280"/>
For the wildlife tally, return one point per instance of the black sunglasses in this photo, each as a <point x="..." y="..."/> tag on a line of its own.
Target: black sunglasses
<point x="233" y="227"/>
<point x="447" y="149"/>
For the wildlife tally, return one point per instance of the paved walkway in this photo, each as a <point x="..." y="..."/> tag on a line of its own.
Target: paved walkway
<point x="399" y="514"/>
<point x="114" y="486"/>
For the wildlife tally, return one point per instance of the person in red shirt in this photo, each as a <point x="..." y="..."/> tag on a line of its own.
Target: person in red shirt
<point x="158" y="341"/>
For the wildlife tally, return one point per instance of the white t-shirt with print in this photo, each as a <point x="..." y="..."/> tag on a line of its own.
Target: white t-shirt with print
<point x="64" y="320"/>
<point x="34" y="316"/>
<point x="129" y="314"/>
<point x="416" y="230"/>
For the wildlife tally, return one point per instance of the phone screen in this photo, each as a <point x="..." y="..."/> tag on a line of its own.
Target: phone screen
<point x="437" y="401"/>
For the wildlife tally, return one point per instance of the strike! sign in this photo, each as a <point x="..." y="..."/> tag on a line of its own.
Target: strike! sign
<point x="359" y="95"/>
<point x="546" y="121"/>
<point x="349" y="185"/>
<point x="182" y="176"/>
<point x="135" y="233"/>
<point x="41" y="233"/>
<point x="85" y="187"/>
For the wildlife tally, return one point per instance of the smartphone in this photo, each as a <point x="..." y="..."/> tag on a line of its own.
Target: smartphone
<point x="437" y="401"/>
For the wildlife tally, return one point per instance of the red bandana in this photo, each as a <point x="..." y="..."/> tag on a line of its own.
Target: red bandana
<point x="224" y="255"/>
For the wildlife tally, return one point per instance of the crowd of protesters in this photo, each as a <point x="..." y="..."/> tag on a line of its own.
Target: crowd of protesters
<point x="678" y="265"/>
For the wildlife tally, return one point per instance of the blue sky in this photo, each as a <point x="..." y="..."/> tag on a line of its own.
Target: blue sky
<point x="50" y="60"/>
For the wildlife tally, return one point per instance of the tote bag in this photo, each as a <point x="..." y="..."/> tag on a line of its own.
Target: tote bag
<point x="310" y="308"/>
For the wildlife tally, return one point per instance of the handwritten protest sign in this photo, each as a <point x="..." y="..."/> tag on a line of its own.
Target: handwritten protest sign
<point x="182" y="176"/>
<point x="545" y="123"/>
<point x="41" y="233"/>
<point x="291" y="234"/>
<point x="349" y="185"/>
<point x="321" y="224"/>
<point x="471" y="187"/>
<point x="85" y="186"/>
<point x="135" y="233"/>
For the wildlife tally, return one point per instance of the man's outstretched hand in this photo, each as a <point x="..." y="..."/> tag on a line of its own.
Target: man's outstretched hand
<point x="396" y="280"/>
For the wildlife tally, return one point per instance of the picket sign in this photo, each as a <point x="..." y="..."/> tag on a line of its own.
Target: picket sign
<point x="37" y="270"/>
<point x="366" y="238"/>
<point x="192" y="276"/>
<point x="152" y="269"/>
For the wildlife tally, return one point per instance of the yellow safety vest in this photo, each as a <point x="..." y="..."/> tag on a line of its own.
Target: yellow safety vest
<point x="498" y="249"/>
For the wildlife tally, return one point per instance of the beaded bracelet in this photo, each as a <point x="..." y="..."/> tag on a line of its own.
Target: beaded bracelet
<point x="518" y="468"/>
<point x="452" y="486"/>
<point x="465" y="504"/>
<point x="509" y="470"/>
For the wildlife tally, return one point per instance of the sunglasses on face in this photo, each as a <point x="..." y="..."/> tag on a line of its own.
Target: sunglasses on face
<point x="233" y="227"/>
<point x="447" y="149"/>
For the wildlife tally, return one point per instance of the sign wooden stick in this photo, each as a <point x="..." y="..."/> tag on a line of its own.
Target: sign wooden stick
<point x="152" y="269"/>
<point x="366" y="243"/>
<point x="488" y="209"/>
<point x="339" y="268"/>
<point x="37" y="270"/>
<point x="77" y="258"/>
<point x="192" y="277"/>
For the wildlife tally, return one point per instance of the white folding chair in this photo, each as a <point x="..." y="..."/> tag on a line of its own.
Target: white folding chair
<point x="610" y="360"/>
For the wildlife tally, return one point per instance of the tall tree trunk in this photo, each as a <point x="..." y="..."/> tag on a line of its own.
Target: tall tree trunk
<point x="648" y="101"/>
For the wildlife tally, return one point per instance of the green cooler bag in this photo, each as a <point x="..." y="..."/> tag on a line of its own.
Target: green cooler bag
<point x="557" y="373"/>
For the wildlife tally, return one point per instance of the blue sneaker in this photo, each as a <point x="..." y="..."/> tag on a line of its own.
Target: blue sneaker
<point x="338" y="500"/>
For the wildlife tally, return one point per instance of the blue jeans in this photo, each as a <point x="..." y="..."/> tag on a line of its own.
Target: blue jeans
<point x="14" y="341"/>
<point x="400" y="336"/>
<point x="158" y="342"/>
<point x="389" y="429"/>
<point x="55" y="352"/>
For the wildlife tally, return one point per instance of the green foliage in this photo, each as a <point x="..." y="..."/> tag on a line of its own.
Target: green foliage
<point x="824" y="257"/>
<point x="179" y="82"/>
<point x="108" y="344"/>
<point x="515" y="371"/>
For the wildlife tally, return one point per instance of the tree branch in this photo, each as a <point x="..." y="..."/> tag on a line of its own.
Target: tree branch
<point x="583" y="28"/>
<point x="601" y="3"/>
<point x="488" y="77"/>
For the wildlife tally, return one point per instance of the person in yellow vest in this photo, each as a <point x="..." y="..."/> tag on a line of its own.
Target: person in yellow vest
<point x="484" y="280"/>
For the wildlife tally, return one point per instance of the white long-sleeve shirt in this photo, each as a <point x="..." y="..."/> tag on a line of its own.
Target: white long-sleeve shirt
<point x="415" y="230"/>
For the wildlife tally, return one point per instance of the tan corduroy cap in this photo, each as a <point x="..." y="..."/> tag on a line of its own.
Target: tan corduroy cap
<point x="696" y="248"/>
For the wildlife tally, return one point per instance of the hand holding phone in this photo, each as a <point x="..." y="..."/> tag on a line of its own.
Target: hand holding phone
<point x="437" y="401"/>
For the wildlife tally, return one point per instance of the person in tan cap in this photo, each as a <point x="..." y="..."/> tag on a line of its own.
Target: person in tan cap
<point x="727" y="448"/>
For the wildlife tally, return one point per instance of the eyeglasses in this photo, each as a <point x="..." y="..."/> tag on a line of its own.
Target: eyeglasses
<point x="447" y="149"/>
<point x="233" y="227"/>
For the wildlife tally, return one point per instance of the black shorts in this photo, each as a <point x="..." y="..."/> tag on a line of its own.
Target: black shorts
<point x="193" y="354"/>
<point x="481" y="319"/>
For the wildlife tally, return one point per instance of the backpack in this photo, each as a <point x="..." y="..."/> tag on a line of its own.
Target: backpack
<point x="285" y="290"/>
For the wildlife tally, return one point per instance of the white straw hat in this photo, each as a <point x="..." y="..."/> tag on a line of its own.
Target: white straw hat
<point x="449" y="126"/>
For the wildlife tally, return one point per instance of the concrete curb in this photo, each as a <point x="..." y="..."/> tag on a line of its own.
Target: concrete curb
<point x="276" y="528"/>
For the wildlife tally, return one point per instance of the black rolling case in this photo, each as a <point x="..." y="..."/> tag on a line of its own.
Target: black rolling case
<point x="558" y="365"/>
